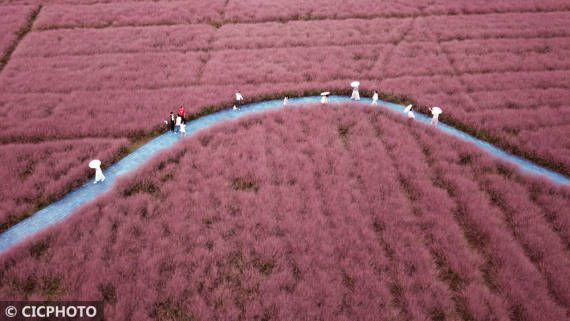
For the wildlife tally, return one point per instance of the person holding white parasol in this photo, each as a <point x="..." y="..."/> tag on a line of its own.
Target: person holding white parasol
<point x="355" y="95"/>
<point x="96" y="165"/>
<point x="375" y="98"/>
<point x="408" y="111"/>
<point x="435" y="111"/>
<point x="325" y="97"/>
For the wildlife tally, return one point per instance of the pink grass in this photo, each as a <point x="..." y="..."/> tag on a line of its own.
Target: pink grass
<point x="90" y="42"/>
<point x="13" y="20"/>
<point x="324" y="212"/>
<point x="138" y="13"/>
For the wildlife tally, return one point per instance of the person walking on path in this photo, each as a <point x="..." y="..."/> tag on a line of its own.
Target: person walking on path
<point x="99" y="177"/>
<point x="408" y="111"/>
<point x="355" y="95"/>
<point x="181" y="111"/>
<point x="285" y="101"/>
<point x="96" y="165"/>
<point x="239" y="98"/>
<point x="178" y="123"/>
<point x="435" y="111"/>
<point x="171" y="121"/>
<point x="325" y="97"/>
<point x="183" y="128"/>
<point x="375" y="98"/>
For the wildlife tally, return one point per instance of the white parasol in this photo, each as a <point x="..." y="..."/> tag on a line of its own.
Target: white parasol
<point x="355" y="84"/>
<point x="408" y="108"/>
<point x="326" y="93"/>
<point x="436" y="110"/>
<point x="95" y="163"/>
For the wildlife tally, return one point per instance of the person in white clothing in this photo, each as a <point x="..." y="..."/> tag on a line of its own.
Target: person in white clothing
<point x="355" y="95"/>
<point x="435" y="111"/>
<point x="375" y="98"/>
<point x="178" y="122"/>
<point x="239" y="98"/>
<point x="96" y="165"/>
<point x="324" y="99"/>
<point x="435" y="120"/>
<point x="285" y="100"/>
<point x="183" y="129"/>
<point x="99" y="177"/>
<point x="408" y="111"/>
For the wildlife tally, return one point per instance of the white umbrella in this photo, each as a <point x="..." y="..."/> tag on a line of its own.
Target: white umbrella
<point x="355" y="84"/>
<point x="408" y="108"/>
<point x="326" y="93"/>
<point x="95" y="163"/>
<point x="436" y="110"/>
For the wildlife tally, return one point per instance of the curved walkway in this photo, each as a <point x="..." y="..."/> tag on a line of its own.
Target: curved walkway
<point x="61" y="209"/>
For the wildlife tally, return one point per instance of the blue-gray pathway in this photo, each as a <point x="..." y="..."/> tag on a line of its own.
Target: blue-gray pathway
<point x="63" y="208"/>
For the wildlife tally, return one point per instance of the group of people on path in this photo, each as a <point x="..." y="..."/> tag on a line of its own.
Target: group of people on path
<point x="178" y="123"/>
<point x="435" y="111"/>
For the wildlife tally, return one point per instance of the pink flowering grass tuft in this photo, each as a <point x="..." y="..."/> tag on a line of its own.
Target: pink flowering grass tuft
<point x="138" y="13"/>
<point x="113" y="71"/>
<point x="310" y="33"/>
<point x="91" y="42"/>
<point x="13" y="20"/>
<point x="325" y="212"/>
<point x="259" y="10"/>
<point x="277" y="65"/>
<point x="509" y="25"/>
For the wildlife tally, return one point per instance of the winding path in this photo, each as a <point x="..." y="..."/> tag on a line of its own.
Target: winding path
<point x="63" y="208"/>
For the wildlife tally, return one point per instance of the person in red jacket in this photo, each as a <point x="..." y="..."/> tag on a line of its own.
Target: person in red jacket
<point x="181" y="111"/>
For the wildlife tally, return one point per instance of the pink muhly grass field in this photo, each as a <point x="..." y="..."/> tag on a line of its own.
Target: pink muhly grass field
<point x="436" y="53"/>
<point x="126" y="13"/>
<point x="259" y="10"/>
<point x="113" y="71"/>
<point x="309" y="33"/>
<point x="13" y="20"/>
<point x="90" y="42"/>
<point x="311" y="213"/>
<point x="496" y="26"/>
<point x="276" y="65"/>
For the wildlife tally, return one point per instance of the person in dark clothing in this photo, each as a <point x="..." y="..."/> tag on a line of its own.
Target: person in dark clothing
<point x="171" y="121"/>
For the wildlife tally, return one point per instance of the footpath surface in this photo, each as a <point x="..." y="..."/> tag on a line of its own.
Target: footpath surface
<point x="65" y="207"/>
